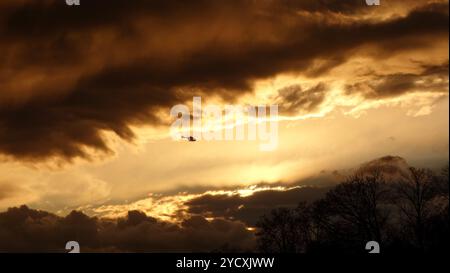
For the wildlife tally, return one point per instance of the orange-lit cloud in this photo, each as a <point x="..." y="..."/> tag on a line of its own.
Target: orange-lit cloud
<point x="68" y="75"/>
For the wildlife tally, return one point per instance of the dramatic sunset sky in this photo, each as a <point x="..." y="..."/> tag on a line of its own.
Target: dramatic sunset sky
<point x="86" y="91"/>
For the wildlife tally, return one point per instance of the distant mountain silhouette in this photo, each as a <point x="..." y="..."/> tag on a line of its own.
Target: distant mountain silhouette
<point x="392" y="167"/>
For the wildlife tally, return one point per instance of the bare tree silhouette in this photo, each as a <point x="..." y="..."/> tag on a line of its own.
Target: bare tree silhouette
<point x="359" y="203"/>
<point x="442" y="183"/>
<point x="414" y="197"/>
<point x="285" y="230"/>
<point x="408" y="214"/>
<point x="355" y="210"/>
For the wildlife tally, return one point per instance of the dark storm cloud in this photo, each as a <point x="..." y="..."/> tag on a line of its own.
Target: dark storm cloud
<point x="248" y="209"/>
<point x="26" y="230"/>
<point x="431" y="79"/>
<point x="326" y="5"/>
<point x="32" y="17"/>
<point x="69" y="73"/>
<point x="294" y="99"/>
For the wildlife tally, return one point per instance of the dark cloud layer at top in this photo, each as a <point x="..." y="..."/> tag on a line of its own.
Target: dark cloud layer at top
<point x="69" y="73"/>
<point x="33" y="16"/>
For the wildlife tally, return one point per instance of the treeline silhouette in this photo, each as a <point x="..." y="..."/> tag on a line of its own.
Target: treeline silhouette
<point x="409" y="214"/>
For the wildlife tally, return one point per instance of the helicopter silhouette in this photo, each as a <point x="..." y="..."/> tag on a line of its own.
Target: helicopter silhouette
<point x="189" y="138"/>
